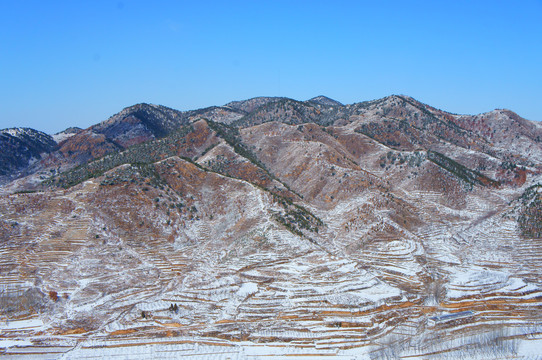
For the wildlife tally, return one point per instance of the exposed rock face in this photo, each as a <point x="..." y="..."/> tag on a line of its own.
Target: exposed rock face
<point x="316" y="227"/>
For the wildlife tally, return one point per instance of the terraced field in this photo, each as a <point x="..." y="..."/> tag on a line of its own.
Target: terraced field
<point x="348" y="241"/>
<point x="296" y="298"/>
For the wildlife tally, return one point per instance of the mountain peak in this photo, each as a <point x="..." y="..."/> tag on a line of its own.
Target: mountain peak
<point x="324" y="100"/>
<point x="21" y="147"/>
<point x="252" y="104"/>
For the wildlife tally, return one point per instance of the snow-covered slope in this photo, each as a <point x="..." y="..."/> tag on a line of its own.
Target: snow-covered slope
<point x="281" y="239"/>
<point x="20" y="148"/>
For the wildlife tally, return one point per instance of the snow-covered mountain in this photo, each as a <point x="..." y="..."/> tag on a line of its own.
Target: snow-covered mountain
<point x="274" y="227"/>
<point x="20" y="148"/>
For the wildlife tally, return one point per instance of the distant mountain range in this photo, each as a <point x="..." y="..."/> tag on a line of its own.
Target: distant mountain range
<point x="399" y="122"/>
<point x="312" y="226"/>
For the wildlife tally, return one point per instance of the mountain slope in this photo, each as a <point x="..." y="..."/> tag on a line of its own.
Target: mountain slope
<point x="21" y="147"/>
<point x="273" y="227"/>
<point x="399" y="122"/>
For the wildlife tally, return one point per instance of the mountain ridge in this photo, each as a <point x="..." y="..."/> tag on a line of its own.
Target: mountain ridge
<point x="311" y="227"/>
<point x="388" y="116"/>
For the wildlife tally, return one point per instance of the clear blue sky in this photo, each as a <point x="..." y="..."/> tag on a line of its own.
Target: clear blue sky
<point x="75" y="63"/>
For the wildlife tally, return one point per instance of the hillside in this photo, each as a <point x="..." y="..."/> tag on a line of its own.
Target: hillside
<point x="270" y="227"/>
<point x="21" y="148"/>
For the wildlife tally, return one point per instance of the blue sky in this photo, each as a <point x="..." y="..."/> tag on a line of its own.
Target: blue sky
<point x="75" y="63"/>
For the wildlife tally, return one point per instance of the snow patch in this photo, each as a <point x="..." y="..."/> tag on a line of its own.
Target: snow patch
<point x="247" y="289"/>
<point x="10" y="343"/>
<point x="58" y="138"/>
<point x="14" y="131"/>
<point x="21" y="324"/>
<point x="530" y="348"/>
